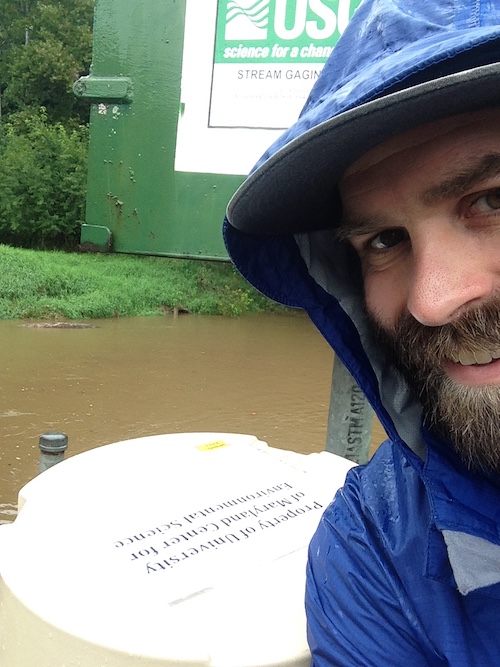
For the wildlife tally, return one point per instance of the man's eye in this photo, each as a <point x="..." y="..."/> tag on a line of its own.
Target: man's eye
<point x="486" y="203"/>
<point x="387" y="239"/>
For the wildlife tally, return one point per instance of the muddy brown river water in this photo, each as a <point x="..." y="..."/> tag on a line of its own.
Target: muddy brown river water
<point x="123" y="378"/>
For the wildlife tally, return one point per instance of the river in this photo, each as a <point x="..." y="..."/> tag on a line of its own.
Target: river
<point x="115" y="379"/>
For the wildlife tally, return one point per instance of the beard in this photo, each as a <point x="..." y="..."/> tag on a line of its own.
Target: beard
<point x="468" y="416"/>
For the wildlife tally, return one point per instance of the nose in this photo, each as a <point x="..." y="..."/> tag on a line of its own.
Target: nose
<point x="451" y="273"/>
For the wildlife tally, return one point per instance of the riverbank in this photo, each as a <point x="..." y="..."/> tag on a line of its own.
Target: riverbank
<point x="50" y="285"/>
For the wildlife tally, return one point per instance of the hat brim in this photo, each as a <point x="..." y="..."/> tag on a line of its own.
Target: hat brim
<point x="295" y="190"/>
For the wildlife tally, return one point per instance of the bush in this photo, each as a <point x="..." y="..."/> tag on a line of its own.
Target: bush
<point x="42" y="181"/>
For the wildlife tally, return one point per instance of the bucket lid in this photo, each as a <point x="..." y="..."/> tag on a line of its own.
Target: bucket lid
<point x="183" y="549"/>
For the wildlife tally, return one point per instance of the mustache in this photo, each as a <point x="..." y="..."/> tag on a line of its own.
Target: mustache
<point x="476" y="330"/>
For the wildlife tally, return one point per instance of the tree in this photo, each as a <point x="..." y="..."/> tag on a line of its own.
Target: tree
<point x="45" y="45"/>
<point x="42" y="181"/>
<point x="44" y="48"/>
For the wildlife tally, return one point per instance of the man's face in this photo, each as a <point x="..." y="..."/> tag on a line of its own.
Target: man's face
<point x="423" y="212"/>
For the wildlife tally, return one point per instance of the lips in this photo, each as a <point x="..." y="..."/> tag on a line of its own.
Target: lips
<point x="475" y="357"/>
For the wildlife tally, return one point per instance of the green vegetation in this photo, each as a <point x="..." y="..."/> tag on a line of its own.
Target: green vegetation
<point x="53" y="284"/>
<point x="43" y="170"/>
<point x="45" y="45"/>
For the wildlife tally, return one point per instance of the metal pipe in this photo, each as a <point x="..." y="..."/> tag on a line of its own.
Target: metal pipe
<point x="52" y="447"/>
<point x="350" y="418"/>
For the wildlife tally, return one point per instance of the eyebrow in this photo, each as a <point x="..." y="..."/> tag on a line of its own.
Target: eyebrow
<point x="351" y="226"/>
<point x="454" y="186"/>
<point x="457" y="184"/>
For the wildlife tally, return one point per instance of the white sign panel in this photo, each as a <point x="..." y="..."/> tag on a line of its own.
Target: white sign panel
<point x="248" y="67"/>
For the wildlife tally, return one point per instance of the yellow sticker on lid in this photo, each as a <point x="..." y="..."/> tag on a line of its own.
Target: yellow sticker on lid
<point x="216" y="444"/>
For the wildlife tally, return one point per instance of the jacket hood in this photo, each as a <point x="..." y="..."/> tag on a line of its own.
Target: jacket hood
<point x="399" y="64"/>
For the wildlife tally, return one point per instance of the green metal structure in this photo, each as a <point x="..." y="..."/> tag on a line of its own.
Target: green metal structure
<point x="136" y="201"/>
<point x="186" y="95"/>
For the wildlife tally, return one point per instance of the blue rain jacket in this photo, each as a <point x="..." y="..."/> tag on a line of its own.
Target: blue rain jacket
<point x="404" y="569"/>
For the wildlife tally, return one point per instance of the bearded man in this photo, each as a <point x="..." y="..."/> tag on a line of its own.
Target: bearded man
<point x="378" y="213"/>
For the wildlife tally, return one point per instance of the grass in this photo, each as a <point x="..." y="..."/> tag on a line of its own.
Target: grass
<point x="51" y="285"/>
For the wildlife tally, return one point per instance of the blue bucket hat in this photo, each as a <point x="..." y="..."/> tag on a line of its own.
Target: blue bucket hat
<point x="398" y="65"/>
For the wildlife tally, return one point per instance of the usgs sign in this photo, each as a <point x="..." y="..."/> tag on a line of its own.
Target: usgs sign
<point x="248" y="68"/>
<point x="261" y="30"/>
<point x="291" y="18"/>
